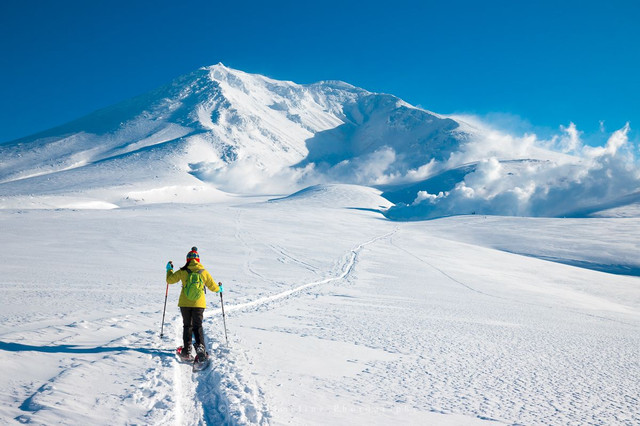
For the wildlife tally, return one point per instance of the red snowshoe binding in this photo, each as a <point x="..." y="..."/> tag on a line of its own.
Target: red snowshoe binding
<point x="184" y="355"/>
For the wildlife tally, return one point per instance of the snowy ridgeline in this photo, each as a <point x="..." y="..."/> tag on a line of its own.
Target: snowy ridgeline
<point x="218" y="132"/>
<point x="335" y="316"/>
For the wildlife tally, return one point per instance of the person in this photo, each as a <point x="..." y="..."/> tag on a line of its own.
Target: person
<point x="192" y="310"/>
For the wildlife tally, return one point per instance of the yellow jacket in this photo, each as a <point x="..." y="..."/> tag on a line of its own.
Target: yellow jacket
<point x="182" y="275"/>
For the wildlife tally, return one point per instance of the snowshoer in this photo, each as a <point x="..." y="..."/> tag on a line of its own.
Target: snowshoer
<point x="192" y="300"/>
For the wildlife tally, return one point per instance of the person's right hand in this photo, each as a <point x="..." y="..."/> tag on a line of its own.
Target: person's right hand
<point x="170" y="266"/>
<point x="221" y="288"/>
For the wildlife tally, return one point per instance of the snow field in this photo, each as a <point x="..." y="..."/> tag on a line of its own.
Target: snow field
<point x="409" y="338"/>
<point x="335" y="315"/>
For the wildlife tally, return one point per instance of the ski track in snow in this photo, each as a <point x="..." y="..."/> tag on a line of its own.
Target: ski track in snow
<point x="285" y="257"/>
<point x="346" y="268"/>
<point x="249" y="249"/>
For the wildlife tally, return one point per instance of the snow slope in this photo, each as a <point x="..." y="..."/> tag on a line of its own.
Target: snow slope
<point x="335" y="316"/>
<point x="220" y="129"/>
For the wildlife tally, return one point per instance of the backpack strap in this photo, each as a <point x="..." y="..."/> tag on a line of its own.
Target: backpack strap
<point x="186" y="268"/>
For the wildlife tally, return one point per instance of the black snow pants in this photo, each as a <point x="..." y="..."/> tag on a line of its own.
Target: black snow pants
<point x="192" y="323"/>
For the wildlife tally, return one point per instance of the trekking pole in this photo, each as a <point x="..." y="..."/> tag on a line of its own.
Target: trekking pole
<point x="164" y="309"/>
<point x="224" y="320"/>
<point x="166" y="293"/>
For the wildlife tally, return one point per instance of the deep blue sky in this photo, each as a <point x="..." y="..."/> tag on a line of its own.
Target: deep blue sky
<point x="530" y="65"/>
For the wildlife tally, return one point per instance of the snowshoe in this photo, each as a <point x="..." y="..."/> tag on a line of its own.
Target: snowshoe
<point x="184" y="355"/>
<point x="202" y="360"/>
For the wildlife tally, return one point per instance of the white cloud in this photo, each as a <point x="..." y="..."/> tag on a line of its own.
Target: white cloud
<point x="617" y="140"/>
<point x="570" y="141"/>
<point x="557" y="186"/>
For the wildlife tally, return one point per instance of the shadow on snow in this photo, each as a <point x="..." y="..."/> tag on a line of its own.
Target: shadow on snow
<point x="75" y="349"/>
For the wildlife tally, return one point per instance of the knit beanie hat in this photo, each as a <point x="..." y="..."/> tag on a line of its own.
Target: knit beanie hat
<point x="193" y="254"/>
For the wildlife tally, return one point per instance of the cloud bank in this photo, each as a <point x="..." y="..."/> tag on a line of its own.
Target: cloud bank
<point x="560" y="185"/>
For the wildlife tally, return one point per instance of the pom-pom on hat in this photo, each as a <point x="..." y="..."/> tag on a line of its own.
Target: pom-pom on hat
<point x="193" y="255"/>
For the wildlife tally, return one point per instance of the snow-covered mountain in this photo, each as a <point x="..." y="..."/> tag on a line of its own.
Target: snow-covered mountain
<point x="220" y="131"/>
<point x="240" y="132"/>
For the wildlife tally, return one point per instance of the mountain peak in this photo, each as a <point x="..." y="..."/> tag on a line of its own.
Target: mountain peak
<point x="220" y="68"/>
<point x="223" y="129"/>
<point x="240" y="132"/>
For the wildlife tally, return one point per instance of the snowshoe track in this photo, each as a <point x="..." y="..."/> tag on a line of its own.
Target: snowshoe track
<point x="226" y="393"/>
<point x="344" y="270"/>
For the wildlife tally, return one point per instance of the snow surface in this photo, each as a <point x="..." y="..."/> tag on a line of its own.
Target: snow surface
<point x="335" y="316"/>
